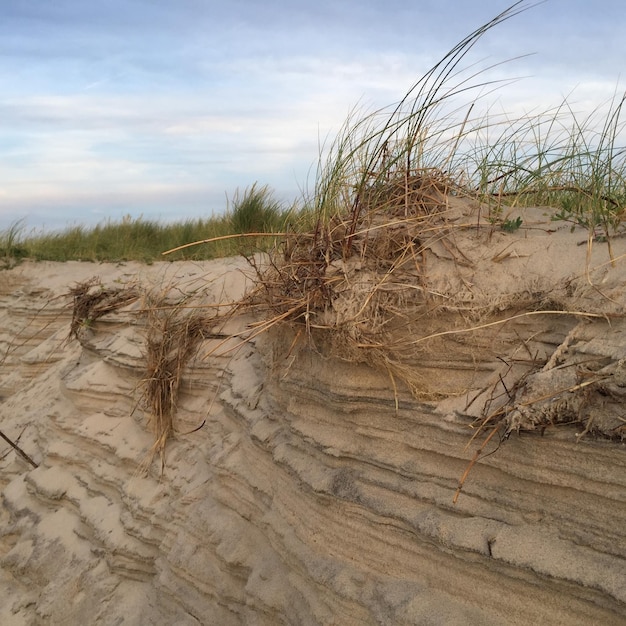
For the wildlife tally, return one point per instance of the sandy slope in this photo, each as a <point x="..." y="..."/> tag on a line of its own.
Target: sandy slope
<point x="305" y="498"/>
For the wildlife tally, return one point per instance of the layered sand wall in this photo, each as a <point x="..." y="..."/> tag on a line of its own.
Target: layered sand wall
<point x="313" y="493"/>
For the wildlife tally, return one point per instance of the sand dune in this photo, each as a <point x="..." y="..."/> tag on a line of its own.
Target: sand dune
<point x="307" y="497"/>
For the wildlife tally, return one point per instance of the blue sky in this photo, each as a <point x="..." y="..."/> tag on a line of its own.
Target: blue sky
<point x="163" y="108"/>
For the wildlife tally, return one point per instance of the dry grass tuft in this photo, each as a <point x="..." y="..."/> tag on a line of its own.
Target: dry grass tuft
<point x="359" y="281"/>
<point x="173" y="335"/>
<point x="91" y="300"/>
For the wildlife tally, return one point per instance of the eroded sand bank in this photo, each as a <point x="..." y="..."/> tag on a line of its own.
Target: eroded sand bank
<point x="314" y="494"/>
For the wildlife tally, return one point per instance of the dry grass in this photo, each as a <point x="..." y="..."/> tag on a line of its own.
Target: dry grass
<point x="359" y="281"/>
<point x="91" y="300"/>
<point x="173" y="335"/>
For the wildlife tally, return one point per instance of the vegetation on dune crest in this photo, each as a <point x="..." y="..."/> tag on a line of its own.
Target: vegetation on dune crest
<point x="398" y="179"/>
<point x="127" y="240"/>
<point x="256" y="211"/>
<point x="137" y="239"/>
<point x="11" y="245"/>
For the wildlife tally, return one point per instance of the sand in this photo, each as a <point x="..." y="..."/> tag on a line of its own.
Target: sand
<point x="306" y="496"/>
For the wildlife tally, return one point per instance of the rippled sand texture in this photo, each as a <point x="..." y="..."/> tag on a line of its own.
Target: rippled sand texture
<point x="306" y="497"/>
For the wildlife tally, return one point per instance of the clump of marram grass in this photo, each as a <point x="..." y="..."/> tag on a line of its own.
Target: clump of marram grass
<point x="386" y="194"/>
<point x="256" y="211"/>
<point x="398" y="182"/>
<point x="12" y="248"/>
<point x="256" y="215"/>
<point x="357" y="286"/>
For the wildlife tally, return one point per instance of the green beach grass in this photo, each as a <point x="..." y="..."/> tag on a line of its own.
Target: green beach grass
<point x="138" y="239"/>
<point x="441" y="130"/>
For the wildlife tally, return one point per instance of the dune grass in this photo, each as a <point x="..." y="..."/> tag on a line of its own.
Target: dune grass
<point x="138" y="239"/>
<point x="256" y="211"/>
<point x="128" y="240"/>
<point x="558" y="158"/>
<point x="11" y="245"/>
<point x="387" y="183"/>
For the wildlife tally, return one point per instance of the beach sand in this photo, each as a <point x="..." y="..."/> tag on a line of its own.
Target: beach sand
<point x="299" y="487"/>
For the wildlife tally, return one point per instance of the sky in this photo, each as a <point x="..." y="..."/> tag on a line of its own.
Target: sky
<point x="163" y="109"/>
